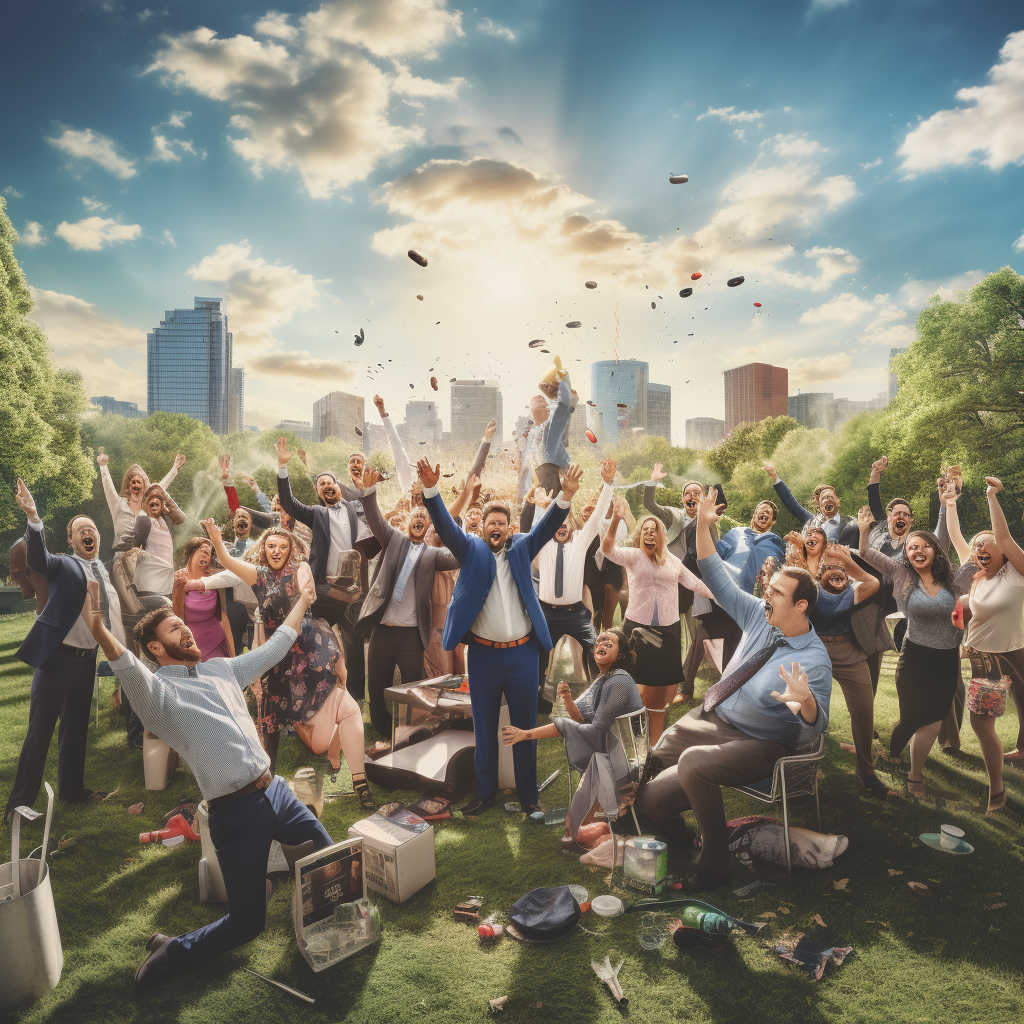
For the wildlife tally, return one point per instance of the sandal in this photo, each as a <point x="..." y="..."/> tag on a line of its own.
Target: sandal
<point x="997" y="801"/>
<point x="916" y="787"/>
<point x="362" y="790"/>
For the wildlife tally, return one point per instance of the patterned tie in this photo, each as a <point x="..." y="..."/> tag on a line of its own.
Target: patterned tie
<point x="728" y="685"/>
<point x="403" y="578"/>
<point x="94" y="568"/>
<point x="559" y="568"/>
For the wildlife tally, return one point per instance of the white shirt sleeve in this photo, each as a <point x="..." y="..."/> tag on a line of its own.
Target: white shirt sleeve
<point x="402" y="466"/>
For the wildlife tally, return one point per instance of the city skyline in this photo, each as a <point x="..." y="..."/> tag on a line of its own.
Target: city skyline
<point x="288" y="159"/>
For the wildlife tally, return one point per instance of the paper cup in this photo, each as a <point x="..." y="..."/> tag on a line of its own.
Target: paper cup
<point x="951" y="837"/>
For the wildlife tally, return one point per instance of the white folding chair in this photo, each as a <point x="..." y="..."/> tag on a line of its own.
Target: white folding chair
<point x="796" y="775"/>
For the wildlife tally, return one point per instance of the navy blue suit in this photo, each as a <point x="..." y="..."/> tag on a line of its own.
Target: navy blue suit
<point x="62" y="685"/>
<point x="511" y="671"/>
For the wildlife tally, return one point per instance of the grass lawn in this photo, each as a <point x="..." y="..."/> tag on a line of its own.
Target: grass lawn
<point x="943" y="957"/>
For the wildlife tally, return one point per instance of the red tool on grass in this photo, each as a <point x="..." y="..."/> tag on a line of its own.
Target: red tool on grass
<point x="177" y="826"/>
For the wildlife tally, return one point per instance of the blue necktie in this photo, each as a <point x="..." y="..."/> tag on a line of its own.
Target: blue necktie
<point x="403" y="577"/>
<point x="559" y="568"/>
<point x="728" y="685"/>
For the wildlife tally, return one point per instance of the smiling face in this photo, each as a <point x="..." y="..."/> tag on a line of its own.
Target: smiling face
<point x="199" y="563"/>
<point x="649" y="537"/>
<point x="606" y="651"/>
<point x="278" y="551"/>
<point x="495" y="530"/>
<point x="828" y="502"/>
<point x="920" y="554"/>
<point x="84" y="537"/>
<point x="814" y="543"/>
<point x="692" y="494"/>
<point x="174" y="642"/>
<point x="136" y="485"/>
<point x="356" y="465"/>
<point x="473" y="520"/>
<point x="763" y="518"/>
<point x="417" y="524"/>
<point x="328" y="489"/>
<point x="986" y="554"/>
<point x="900" y="520"/>
<point x="242" y="524"/>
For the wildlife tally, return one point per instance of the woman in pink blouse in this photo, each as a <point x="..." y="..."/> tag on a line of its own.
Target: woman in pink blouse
<point x="652" y="573"/>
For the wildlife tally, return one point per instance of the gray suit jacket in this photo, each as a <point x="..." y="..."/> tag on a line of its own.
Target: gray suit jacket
<point x="395" y="546"/>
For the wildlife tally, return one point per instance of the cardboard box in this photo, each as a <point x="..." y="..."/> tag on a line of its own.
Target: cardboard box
<point x="397" y="862"/>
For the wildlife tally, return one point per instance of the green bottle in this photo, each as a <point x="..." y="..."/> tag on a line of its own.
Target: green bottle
<point x="706" y="921"/>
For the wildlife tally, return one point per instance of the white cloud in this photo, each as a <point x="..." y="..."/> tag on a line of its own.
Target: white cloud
<point x="178" y="118"/>
<point x="12" y="193"/>
<point x="300" y="364"/>
<point x="314" y="101"/>
<point x="917" y="293"/>
<point x="818" y="370"/>
<point x="259" y="295"/>
<point x="490" y="28"/>
<point x="740" y="133"/>
<point x="989" y="130"/>
<point x="33" y="234"/>
<point x="846" y="308"/>
<point x="167" y="150"/>
<point x="110" y="355"/>
<point x="828" y="4"/>
<point x="795" y="145"/>
<point x="1018" y="245"/>
<point x="731" y="115"/>
<point x="873" y="163"/>
<point x="898" y="336"/>
<point x="90" y="145"/>
<point x="94" y="233"/>
<point x="93" y="205"/>
<point x="169" y="238"/>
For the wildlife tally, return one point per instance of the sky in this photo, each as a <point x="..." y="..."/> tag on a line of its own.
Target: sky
<point x="848" y="158"/>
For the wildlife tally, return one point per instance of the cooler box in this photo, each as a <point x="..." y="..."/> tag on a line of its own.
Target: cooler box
<point x="396" y="861"/>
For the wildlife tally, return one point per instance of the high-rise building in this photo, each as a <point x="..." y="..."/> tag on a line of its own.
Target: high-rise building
<point x="894" y="383"/>
<point x="130" y="410"/>
<point x="236" y="398"/>
<point x="659" y="411"/>
<point x="189" y="363"/>
<point x="815" y="410"/>
<point x="754" y="392"/>
<point x="422" y="423"/>
<point x="704" y="432"/>
<point x="375" y="437"/>
<point x="338" y="415"/>
<point x="474" y="404"/>
<point x="300" y="428"/>
<point x="615" y="383"/>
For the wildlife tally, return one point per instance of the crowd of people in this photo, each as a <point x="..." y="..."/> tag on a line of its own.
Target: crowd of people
<point x="485" y="579"/>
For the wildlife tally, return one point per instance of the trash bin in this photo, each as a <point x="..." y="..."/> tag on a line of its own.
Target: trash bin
<point x="30" y="948"/>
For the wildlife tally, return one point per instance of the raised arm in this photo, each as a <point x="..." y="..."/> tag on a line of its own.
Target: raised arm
<point x="867" y="585"/>
<point x="608" y="541"/>
<point x="291" y="507"/>
<point x="483" y="451"/>
<point x="245" y="571"/>
<point x="1009" y="547"/>
<point x="546" y="529"/>
<point x="458" y="506"/>
<point x="948" y="496"/>
<point x="37" y="556"/>
<point x="381" y="531"/>
<point x="179" y="461"/>
<point x="403" y="467"/>
<point x="650" y="489"/>
<point x="883" y="563"/>
<point x="604" y="499"/>
<point x="111" y="646"/>
<point x="109" y="490"/>
<point x="799" y="513"/>
<point x="874" y="488"/>
<point x="451" y="536"/>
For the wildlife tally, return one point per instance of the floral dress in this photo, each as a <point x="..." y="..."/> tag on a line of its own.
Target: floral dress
<point x="297" y="686"/>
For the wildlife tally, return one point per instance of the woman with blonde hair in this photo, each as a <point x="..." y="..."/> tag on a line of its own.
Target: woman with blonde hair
<point x="205" y="613"/>
<point x="306" y="689"/>
<point x="652" y="574"/>
<point x="126" y="504"/>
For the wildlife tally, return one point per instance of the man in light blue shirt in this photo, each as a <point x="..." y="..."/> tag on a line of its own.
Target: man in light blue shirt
<point x="745" y="724"/>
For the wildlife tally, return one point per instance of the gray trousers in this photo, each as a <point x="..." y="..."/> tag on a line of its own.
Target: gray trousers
<point x="702" y="753"/>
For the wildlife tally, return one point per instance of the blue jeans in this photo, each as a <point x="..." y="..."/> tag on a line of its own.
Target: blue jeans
<point x="512" y="671"/>
<point x="242" y="832"/>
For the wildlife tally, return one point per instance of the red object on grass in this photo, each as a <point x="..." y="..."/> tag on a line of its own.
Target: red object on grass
<point x="177" y="826"/>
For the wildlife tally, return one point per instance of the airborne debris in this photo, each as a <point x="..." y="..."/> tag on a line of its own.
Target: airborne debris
<point x="417" y="258"/>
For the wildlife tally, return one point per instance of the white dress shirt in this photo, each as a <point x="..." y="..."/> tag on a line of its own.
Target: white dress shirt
<point x="403" y="613"/>
<point x="504" y="616"/>
<point x="574" y="556"/>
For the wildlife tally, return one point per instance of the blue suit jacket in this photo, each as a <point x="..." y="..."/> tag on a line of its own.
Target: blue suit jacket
<point x="762" y="546"/>
<point x="67" y="578"/>
<point x="551" y="442"/>
<point x="479" y="569"/>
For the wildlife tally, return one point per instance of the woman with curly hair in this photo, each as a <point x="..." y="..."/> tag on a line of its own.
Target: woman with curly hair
<point x="306" y="689"/>
<point x="928" y="668"/>
<point x="804" y="549"/>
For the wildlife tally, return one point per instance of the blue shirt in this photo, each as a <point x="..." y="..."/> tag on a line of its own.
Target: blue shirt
<point x="752" y="708"/>
<point x="831" y="615"/>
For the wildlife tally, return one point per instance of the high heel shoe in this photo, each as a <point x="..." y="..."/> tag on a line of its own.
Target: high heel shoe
<point x="916" y="787"/>
<point x="997" y="801"/>
<point x="362" y="789"/>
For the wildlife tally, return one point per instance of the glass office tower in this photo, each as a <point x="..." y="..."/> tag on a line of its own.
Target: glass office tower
<point x="618" y="382"/>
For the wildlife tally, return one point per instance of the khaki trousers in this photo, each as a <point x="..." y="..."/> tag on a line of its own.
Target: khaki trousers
<point x="851" y="671"/>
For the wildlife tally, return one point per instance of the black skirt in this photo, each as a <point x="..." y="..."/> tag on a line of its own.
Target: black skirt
<point x="926" y="680"/>
<point x="657" y="666"/>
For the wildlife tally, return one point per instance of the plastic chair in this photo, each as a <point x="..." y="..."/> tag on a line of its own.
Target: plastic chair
<point x="796" y="775"/>
<point x="103" y="671"/>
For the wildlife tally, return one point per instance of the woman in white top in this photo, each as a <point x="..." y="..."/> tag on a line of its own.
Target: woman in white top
<point x="154" y="570"/>
<point x="996" y="603"/>
<point x="126" y="504"/>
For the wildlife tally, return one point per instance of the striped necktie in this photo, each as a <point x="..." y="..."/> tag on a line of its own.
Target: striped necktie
<point x="728" y="685"/>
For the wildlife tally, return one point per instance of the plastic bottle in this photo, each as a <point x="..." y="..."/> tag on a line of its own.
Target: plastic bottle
<point x="706" y="920"/>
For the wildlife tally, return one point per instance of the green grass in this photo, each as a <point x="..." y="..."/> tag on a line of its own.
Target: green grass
<point x="941" y="958"/>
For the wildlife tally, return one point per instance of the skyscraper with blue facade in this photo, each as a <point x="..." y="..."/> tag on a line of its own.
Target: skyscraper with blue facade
<point x="189" y="364"/>
<point x="614" y="383"/>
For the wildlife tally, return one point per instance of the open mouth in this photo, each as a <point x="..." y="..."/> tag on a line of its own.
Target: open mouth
<point x="919" y="559"/>
<point x="494" y="537"/>
<point x="828" y="508"/>
<point x="88" y="543"/>
<point x="837" y="580"/>
<point x="983" y="559"/>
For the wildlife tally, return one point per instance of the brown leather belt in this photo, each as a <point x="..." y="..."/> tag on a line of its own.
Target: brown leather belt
<point x="501" y="644"/>
<point x="261" y="783"/>
<point x="832" y="639"/>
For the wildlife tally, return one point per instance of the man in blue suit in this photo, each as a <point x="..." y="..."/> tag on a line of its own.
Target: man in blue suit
<point x="61" y="648"/>
<point x="495" y="610"/>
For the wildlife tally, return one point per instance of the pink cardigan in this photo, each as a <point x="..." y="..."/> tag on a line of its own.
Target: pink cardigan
<point x="654" y="586"/>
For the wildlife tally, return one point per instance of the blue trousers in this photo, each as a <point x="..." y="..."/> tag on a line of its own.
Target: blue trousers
<point x="242" y="832"/>
<point x="572" y="620"/>
<point x="512" y="671"/>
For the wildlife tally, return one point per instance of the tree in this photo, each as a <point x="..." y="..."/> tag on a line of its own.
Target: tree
<point x="749" y="442"/>
<point x="39" y="405"/>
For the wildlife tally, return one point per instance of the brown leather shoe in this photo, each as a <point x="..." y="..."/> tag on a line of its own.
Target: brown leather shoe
<point x="156" y="967"/>
<point x="156" y="941"/>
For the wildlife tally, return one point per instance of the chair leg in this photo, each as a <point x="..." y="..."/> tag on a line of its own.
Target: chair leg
<point x="636" y="820"/>
<point x="817" y="802"/>
<point x="785" y="818"/>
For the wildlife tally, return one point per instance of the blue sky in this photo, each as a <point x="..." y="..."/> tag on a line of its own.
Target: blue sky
<point x="848" y="158"/>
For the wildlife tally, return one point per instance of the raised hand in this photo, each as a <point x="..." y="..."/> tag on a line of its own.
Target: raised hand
<point x="994" y="485"/>
<point x="428" y="474"/>
<point x="283" y="455"/>
<point x="102" y="458"/>
<point x="26" y="502"/>
<point x="608" y="468"/>
<point x="303" y="457"/>
<point x="865" y="519"/>
<point x="371" y="476"/>
<point x="180" y="579"/>
<point x="249" y="481"/>
<point x="658" y="473"/>
<point x="571" y="481"/>
<point x="772" y="472"/>
<point x="708" y="513"/>
<point x="379" y="402"/>
<point x="620" y="507"/>
<point x="880" y="465"/>
<point x="491" y="428"/>
<point x="225" y="467"/>
<point x="179" y="460"/>
<point x="213" y="532"/>
<point x="797" y="690"/>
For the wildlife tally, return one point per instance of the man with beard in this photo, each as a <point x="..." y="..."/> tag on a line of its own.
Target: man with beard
<point x="744" y="724"/>
<point x="335" y="528"/>
<point x="845" y="587"/>
<point x="839" y="529"/>
<point x="199" y="709"/>
<point x="495" y="610"/>
<point x="61" y="649"/>
<point x="745" y="548"/>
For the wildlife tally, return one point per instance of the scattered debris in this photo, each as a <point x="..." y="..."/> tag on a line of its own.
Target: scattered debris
<point x="893" y="872"/>
<point x="536" y="343"/>
<point x="735" y="282"/>
<point x="136" y="808"/>
<point x="360" y="337"/>
<point x="685" y="293"/>
<point x="819" y="922"/>
<point x="610" y="977"/>
<point x="840" y="885"/>
<point x="997" y="906"/>
<point x="420" y="297"/>
<point x="574" y="323"/>
<point x="920" y="887"/>
<point x="469" y="909"/>
<point x="417" y="258"/>
<point x="590" y="284"/>
<point x="807" y="955"/>
<point x="498" y="1004"/>
<point x="696" y="275"/>
<point x="678" y="179"/>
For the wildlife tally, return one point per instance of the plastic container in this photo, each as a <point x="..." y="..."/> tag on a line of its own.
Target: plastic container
<point x="606" y="906"/>
<point x="645" y="864"/>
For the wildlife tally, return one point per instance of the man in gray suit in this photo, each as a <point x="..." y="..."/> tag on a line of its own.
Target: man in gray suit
<point x="396" y="611"/>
